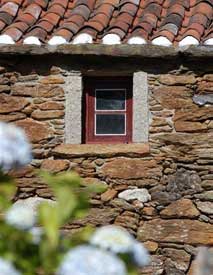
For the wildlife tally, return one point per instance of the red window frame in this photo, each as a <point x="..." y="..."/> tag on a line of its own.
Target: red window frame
<point x="90" y="86"/>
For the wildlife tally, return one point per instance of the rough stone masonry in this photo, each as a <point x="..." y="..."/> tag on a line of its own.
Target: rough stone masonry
<point x="161" y="191"/>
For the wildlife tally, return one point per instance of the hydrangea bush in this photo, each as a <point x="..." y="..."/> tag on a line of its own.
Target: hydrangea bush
<point x="33" y="243"/>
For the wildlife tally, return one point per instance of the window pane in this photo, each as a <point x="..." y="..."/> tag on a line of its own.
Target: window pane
<point x="110" y="99"/>
<point x="110" y="124"/>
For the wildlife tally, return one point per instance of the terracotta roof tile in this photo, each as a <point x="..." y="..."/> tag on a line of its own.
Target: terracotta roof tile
<point x="34" y="10"/>
<point x="148" y="19"/>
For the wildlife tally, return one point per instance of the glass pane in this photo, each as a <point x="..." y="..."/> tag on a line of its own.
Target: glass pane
<point x="110" y="124"/>
<point x="110" y="99"/>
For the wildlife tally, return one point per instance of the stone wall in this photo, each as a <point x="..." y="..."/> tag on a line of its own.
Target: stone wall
<point x="162" y="192"/>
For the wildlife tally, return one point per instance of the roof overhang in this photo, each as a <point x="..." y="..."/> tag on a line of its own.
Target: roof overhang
<point x="124" y="50"/>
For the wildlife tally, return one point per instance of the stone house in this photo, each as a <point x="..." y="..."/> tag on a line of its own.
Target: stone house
<point x="120" y="91"/>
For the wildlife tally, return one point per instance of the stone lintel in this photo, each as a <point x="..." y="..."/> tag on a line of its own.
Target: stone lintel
<point x="101" y="150"/>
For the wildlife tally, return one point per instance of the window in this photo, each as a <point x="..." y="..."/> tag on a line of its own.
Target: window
<point x="108" y="110"/>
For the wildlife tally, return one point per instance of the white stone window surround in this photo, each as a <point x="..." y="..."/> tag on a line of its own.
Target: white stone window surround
<point x="73" y="108"/>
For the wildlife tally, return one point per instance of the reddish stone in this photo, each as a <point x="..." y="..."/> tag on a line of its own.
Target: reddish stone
<point x="10" y="104"/>
<point x="55" y="165"/>
<point x="36" y="131"/>
<point x="182" y="208"/>
<point x="174" y="97"/>
<point x="127" y="168"/>
<point x="179" y="231"/>
<point x="53" y="79"/>
<point x="37" y="90"/>
<point x="51" y="105"/>
<point x="109" y="195"/>
<point x="37" y="114"/>
<point x="169" y="79"/>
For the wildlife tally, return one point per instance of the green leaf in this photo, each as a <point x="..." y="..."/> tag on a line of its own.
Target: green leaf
<point x="49" y="218"/>
<point x="7" y="192"/>
<point x="66" y="203"/>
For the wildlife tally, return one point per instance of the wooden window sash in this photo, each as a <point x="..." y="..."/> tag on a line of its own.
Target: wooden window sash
<point x="103" y="84"/>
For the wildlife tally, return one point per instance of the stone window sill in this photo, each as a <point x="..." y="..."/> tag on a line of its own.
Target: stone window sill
<point x="101" y="150"/>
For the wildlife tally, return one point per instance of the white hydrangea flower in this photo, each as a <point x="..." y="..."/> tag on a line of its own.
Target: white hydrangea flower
<point x="36" y="233"/>
<point x="15" y="151"/>
<point x="113" y="238"/>
<point x="140" y="255"/>
<point x="6" y="268"/>
<point x="21" y="217"/>
<point x="88" y="260"/>
<point x="119" y="240"/>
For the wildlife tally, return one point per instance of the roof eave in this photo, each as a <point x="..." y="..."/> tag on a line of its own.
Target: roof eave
<point x="123" y="50"/>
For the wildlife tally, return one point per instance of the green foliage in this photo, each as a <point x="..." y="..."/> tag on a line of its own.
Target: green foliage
<point x="7" y="191"/>
<point x="71" y="202"/>
<point x="42" y="254"/>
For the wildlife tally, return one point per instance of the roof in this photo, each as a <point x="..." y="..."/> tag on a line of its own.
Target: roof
<point x="158" y="22"/>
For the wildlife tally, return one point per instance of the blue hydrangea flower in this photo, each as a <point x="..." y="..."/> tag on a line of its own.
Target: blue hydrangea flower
<point x="21" y="217"/>
<point x="15" y="151"/>
<point x="88" y="260"/>
<point x="113" y="238"/>
<point x="6" y="268"/>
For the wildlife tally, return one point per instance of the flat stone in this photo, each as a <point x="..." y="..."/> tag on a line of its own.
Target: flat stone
<point x="156" y="266"/>
<point x="205" y="196"/>
<point x="151" y="246"/>
<point x="4" y="88"/>
<point x="53" y="79"/>
<point x="169" y="79"/>
<point x="190" y="120"/>
<point x="187" y="147"/>
<point x="128" y="168"/>
<point x="109" y="195"/>
<point x="98" y="216"/>
<point x="122" y="204"/>
<point x="101" y="150"/>
<point x="149" y="211"/>
<point x="207" y="184"/>
<point x="12" y="117"/>
<point x="10" y="104"/>
<point x="189" y="126"/>
<point x="183" y="208"/>
<point x="36" y="131"/>
<point x="37" y="114"/>
<point x="88" y="181"/>
<point x="205" y="207"/>
<point x="37" y="91"/>
<point x="208" y="77"/>
<point x="194" y="114"/>
<point x="205" y="86"/>
<point x="135" y="194"/>
<point x="175" y="97"/>
<point x="51" y="105"/>
<point x="26" y="171"/>
<point x="186" y="139"/>
<point x="179" y="259"/>
<point x="55" y="166"/>
<point x="177" y="231"/>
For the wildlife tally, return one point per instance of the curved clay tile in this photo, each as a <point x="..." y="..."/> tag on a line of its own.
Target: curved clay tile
<point x="74" y="19"/>
<point x="124" y="19"/>
<point x="146" y="20"/>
